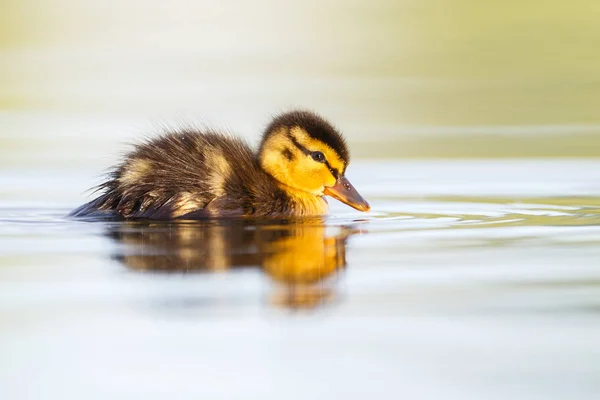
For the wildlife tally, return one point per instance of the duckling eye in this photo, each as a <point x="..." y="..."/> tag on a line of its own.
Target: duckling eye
<point x="318" y="156"/>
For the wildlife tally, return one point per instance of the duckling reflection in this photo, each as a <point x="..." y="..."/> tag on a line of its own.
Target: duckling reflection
<point x="299" y="255"/>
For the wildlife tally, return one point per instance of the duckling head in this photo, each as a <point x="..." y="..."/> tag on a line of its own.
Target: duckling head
<point x="305" y="153"/>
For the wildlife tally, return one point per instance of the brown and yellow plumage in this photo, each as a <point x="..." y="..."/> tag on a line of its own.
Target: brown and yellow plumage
<point x="192" y="174"/>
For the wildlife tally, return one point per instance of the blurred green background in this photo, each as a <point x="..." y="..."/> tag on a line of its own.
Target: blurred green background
<point x="412" y="78"/>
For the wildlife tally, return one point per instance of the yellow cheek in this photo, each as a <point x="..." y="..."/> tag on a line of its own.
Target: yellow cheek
<point x="313" y="177"/>
<point x="329" y="179"/>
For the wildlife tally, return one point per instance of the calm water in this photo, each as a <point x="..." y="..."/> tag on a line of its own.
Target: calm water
<point x="469" y="279"/>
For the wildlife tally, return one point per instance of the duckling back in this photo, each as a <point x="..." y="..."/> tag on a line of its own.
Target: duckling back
<point x="187" y="174"/>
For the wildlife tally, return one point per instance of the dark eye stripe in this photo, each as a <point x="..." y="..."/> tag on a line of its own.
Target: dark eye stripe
<point x="287" y="154"/>
<point x="333" y="171"/>
<point x="298" y="145"/>
<point x="306" y="151"/>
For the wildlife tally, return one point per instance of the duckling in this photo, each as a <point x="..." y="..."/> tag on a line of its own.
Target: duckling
<point x="191" y="174"/>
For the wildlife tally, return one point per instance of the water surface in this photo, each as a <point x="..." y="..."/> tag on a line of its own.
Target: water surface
<point x="469" y="279"/>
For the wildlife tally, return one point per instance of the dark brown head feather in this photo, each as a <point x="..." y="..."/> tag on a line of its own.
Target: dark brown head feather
<point x="316" y="127"/>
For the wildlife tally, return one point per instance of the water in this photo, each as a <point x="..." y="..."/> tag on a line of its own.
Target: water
<point x="469" y="279"/>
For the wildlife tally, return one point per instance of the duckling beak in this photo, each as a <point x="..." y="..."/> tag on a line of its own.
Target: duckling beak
<point x="345" y="192"/>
